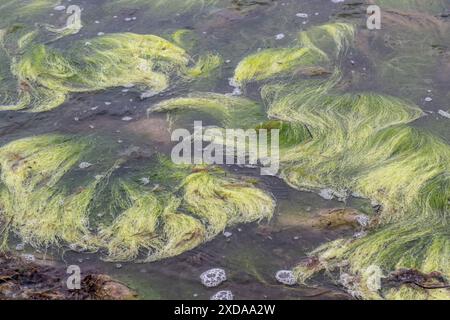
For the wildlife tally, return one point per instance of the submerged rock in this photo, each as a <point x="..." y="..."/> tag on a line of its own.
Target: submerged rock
<point x="84" y="165"/>
<point x="340" y="218"/>
<point x="227" y="234"/>
<point x="59" y="8"/>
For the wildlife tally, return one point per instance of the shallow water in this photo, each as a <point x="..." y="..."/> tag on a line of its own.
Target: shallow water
<point x="253" y="253"/>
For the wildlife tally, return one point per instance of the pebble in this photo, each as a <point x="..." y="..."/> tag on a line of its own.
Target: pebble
<point x="84" y="165"/>
<point x="107" y="103"/>
<point x="127" y="118"/>
<point x="223" y="295"/>
<point x="286" y="277"/>
<point x="227" y="234"/>
<point x="428" y="99"/>
<point x="302" y="15"/>
<point x="444" y="114"/>
<point x="101" y="34"/>
<point x="118" y="265"/>
<point x="280" y="36"/>
<point x="20" y="246"/>
<point x="213" y="277"/>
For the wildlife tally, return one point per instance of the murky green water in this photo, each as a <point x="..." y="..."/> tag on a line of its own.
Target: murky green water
<point x="408" y="58"/>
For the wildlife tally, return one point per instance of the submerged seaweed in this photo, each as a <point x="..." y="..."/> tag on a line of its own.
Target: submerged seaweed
<point x="95" y="208"/>
<point x="47" y="76"/>
<point x="315" y="48"/>
<point x="228" y="111"/>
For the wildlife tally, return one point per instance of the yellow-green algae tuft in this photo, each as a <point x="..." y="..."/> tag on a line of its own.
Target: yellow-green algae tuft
<point x="206" y="66"/>
<point x="228" y="111"/>
<point x="220" y="202"/>
<point x="315" y="48"/>
<point x="72" y="190"/>
<point x="46" y="76"/>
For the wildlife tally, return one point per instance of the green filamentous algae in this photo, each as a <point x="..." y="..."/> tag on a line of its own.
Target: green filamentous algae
<point x="91" y="91"/>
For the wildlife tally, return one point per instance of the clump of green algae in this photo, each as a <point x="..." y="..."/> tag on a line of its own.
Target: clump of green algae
<point x="60" y="184"/>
